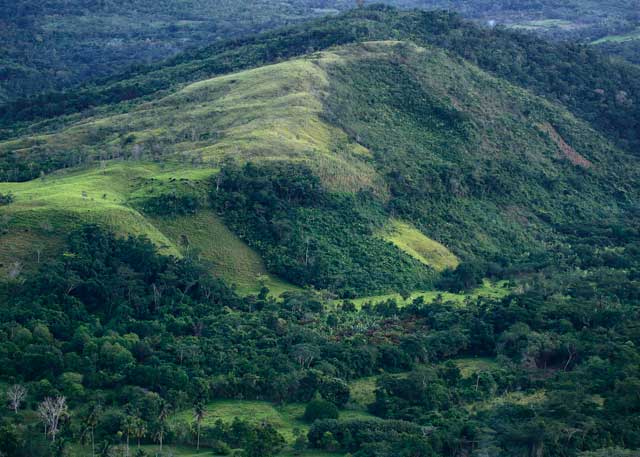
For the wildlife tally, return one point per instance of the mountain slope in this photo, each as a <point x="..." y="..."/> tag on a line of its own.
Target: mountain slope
<point x="489" y="170"/>
<point x="57" y="44"/>
<point x="597" y="89"/>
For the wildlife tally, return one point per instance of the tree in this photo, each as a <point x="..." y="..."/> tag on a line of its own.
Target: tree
<point x="199" y="412"/>
<point x="161" y="425"/>
<point x="89" y="422"/>
<point x="300" y="443"/>
<point x="50" y="411"/>
<point x="16" y="395"/>
<point x="130" y="425"/>
<point x="359" y="3"/>
<point x="320" y="409"/>
<point x="140" y="430"/>
<point x="335" y="390"/>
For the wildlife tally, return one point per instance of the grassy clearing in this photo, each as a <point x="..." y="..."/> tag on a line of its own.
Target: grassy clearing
<point x="410" y="240"/>
<point x="545" y="24"/>
<point x="285" y="418"/>
<point x="186" y="451"/>
<point x="511" y="398"/>
<point x="362" y="392"/>
<point x="151" y="450"/>
<point x="631" y="36"/>
<point x="469" y="366"/>
<point x="488" y="290"/>
<point x="228" y="256"/>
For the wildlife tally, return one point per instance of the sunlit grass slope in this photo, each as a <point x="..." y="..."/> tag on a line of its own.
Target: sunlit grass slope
<point x="45" y="210"/>
<point x="410" y="240"/>
<point x="285" y="418"/>
<point x="268" y="113"/>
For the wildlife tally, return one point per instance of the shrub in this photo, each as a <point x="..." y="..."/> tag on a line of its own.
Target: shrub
<point x="5" y="199"/>
<point x="320" y="409"/>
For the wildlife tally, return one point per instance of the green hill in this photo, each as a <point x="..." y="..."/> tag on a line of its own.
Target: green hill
<point x="58" y="44"/>
<point x="484" y="167"/>
<point x="379" y="234"/>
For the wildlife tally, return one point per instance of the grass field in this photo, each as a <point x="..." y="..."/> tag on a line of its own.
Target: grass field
<point x="545" y="24"/>
<point x="285" y="418"/>
<point x="469" y="366"/>
<point x="631" y="36"/>
<point x="185" y="451"/>
<point x="488" y="289"/>
<point x="410" y="240"/>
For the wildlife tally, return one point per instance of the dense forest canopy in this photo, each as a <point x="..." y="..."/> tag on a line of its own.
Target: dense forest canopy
<point x="58" y="44"/>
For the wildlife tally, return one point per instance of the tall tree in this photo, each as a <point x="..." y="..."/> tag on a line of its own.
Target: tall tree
<point x="16" y="395"/>
<point x="199" y="413"/>
<point x="140" y="430"/>
<point x="161" y="425"/>
<point x="51" y="410"/>
<point x="89" y="422"/>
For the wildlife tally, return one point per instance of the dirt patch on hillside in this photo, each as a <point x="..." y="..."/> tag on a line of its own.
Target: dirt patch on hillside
<point x="567" y="151"/>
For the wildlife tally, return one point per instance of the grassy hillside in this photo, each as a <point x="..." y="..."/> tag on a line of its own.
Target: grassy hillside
<point x="469" y="161"/>
<point x="46" y="209"/>
<point x="418" y="246"/>
<point x="589" y="84"/>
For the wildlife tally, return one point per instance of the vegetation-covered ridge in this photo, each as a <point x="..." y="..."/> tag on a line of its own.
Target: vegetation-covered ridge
<point x="453" y="217"/>
<point x="594" y="87"/>
<point x="380" y="129"/>
<point x="58" y="44"/>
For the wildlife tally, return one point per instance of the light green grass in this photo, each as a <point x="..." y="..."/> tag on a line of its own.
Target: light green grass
<point x="470" y="366"/>
<point x="410" y="240"/>
<point x="268" y="113"/>
<point x="151" y="450"/>
<point x="285" y="418"/>
<point x="488" y="289"/>
<point x="545" y="24"/>
<point x="631" y="36"/>
<point x="510" y="398"/>
<point x="362" y="392"/>
<point x="46" y="210"/>
<point x="228" y="256"/>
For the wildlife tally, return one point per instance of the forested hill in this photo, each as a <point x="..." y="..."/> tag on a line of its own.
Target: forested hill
<point x="59" y="43"/>
<point x="55" y="44"/>
<point x="380" y="234"/>
<point x="594" y="87"/>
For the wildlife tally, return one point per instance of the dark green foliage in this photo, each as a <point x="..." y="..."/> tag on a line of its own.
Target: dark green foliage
<point x="310" y="236"/>
<point x="442" y="177"/>
<point x="352" y="434"/>
<point x="91" y="327"/>
<point x="320" y="409"/>
<point x="465" y="277"/>
<point x="59" y="43"/>
<point x="590" y="84"/>
<point x="172" y="204"/>
<point x="6" y="199"/>
<point x="335" y="390"/>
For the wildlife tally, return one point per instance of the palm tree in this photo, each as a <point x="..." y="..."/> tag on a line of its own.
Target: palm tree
<point x="130" y="424"/>
<point x="163" y="415"/>
<point x="89" y="422"/>
<point x="140" y="430"/>
<point x="199" y="413"/>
